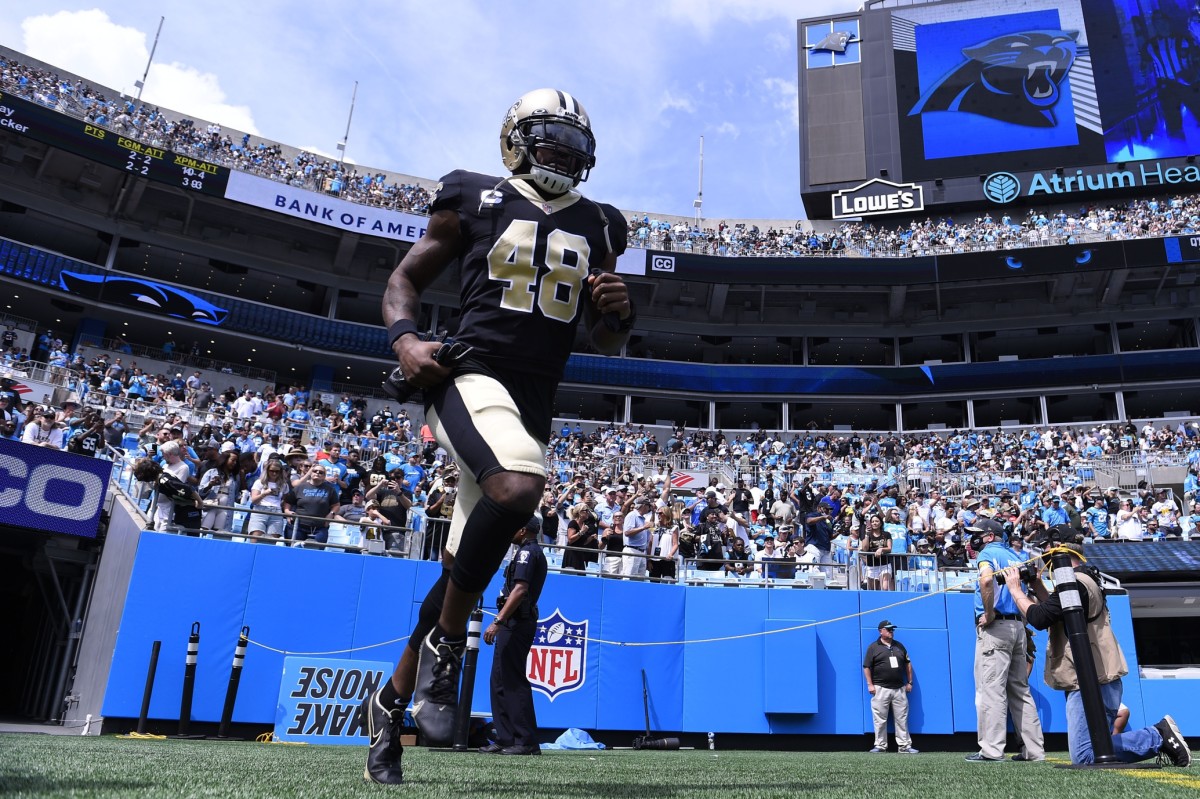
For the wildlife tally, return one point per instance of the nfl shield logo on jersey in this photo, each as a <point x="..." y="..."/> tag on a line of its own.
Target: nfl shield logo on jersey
<point x="557" y="661"/>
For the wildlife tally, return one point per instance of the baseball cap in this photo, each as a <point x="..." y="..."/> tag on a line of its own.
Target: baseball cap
<point x="986" y="526"/>
<point x="886" y="625"/>
<point x="228" y="446"/>
<point x="534" y="524"/>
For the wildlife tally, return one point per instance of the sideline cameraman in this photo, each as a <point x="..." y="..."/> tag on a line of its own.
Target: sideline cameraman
<point x="1046" y="613"/>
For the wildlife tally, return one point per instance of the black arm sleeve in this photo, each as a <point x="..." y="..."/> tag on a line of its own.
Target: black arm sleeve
<point x="1043" y="614"/>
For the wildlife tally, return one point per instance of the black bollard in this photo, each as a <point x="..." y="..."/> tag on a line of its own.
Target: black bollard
<point x="466" y="691"/>
<point x="235" y="676"/>
<point x="1067" y="589"/>
<point x="150" y="672"/>
<point x="189" y="681"/>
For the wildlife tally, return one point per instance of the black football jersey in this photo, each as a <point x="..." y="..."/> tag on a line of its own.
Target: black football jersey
<point x="524" y="263"/>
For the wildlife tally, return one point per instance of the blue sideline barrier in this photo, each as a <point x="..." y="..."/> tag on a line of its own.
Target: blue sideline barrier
<point x="801" y="681"/>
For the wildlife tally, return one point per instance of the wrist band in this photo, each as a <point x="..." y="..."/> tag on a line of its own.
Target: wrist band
<point x="399" y="328"/>
<point x="627" y="323"/>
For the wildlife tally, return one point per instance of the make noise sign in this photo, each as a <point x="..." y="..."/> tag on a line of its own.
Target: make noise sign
<point x="319" y="699"/>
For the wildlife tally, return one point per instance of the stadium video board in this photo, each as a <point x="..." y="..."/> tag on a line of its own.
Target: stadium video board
<point x="112" y="149"/>
<point x="1070" y="82"/>
<point x="1055" y="97"/>
<point x="1008" y="91"/>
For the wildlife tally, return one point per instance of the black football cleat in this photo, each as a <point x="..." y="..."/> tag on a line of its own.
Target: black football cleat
<point x="490" y="749"/>
<point x="385" y="750"/>
<point x="435" y="699"/>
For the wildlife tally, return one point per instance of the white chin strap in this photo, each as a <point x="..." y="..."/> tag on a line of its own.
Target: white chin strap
<point x="548" y="180"/>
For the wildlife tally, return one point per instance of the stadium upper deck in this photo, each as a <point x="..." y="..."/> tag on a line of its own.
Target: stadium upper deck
<point x="962" y="311"/>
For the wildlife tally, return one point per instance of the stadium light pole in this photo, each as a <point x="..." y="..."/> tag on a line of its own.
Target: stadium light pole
<point x="141" y="84"/>
<point x="342" y="144"/>
<point x="699" y="201"/>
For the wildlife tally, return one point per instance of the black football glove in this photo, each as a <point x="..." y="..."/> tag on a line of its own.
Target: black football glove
<point x="449" y="353"/>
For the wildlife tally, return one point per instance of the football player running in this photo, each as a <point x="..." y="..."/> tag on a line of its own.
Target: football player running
<point x="535" y="257"/>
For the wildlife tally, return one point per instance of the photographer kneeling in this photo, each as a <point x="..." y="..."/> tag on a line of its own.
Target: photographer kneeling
<point x="1046" y="612"/>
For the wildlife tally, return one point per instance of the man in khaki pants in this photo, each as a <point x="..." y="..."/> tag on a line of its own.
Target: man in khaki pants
<point x="1001" y="668"/>
<point x="889" y="676"/>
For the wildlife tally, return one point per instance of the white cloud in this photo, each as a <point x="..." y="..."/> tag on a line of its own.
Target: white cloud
<point x="785" y="99"/>
<point x="728" y="129"/>
<point x="674" y="102"/>
<point x="89" y="44"/>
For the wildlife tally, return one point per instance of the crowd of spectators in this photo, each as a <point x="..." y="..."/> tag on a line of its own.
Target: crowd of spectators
<point x="1137" y="218"/>
<point x="207" y="141"/>
<point x="874" y="502"/>
<point x="858" y="500"/>
<point x="1127" y="219"/>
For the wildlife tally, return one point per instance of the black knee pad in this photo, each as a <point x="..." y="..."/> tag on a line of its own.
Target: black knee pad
<point x="485" y="538"/>
<point x="431" y="610"/>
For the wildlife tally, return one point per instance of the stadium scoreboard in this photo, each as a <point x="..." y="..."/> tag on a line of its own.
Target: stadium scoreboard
<point x="986" y="105"/>
<point x="112" y="149"/>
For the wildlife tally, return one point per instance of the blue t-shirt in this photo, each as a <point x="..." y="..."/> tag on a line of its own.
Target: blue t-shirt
<point x="1099" y="519"/>
<point x="1054" y="516"/>
<point x="998" y="557"/>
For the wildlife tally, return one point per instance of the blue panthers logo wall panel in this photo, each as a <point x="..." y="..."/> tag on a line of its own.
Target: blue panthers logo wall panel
<point x="143" y="295"/>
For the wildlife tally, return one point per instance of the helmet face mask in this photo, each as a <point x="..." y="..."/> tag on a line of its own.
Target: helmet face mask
<point x="547" y="135"/>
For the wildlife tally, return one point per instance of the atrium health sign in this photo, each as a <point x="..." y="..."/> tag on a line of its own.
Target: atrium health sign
<point x="876" y="197"/>
<point x="319" y="699"/>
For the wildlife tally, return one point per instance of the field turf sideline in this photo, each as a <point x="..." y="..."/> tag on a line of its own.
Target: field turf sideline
<point x="90" y="768"/>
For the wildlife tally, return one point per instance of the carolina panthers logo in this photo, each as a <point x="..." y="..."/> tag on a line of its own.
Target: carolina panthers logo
<point x="1012" y="78"/>
<point x="144" y="295"/>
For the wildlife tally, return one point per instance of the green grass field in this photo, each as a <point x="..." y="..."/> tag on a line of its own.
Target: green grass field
<point x="45" y="766"/>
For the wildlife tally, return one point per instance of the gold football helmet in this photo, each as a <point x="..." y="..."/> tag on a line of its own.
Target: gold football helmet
<point x="547" y="135"/>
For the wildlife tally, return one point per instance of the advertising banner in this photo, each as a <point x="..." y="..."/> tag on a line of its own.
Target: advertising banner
<point x="50" y="490"/>
<point x="323" y="209"/>
<point x="319" y="699"/>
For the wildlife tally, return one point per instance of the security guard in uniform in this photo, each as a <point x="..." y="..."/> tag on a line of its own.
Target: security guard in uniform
<point x="512" y="633"/>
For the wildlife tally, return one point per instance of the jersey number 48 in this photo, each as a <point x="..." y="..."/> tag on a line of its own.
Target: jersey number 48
<point x="510" y="261"/>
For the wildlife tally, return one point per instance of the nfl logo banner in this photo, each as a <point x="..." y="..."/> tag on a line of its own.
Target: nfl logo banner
<point x="557" y="662"/>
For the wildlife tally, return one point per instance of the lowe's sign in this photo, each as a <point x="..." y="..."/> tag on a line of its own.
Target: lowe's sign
<point x="1005" y="187"/>
<point x="878" y="196"/>
<point x="50" y="490"/>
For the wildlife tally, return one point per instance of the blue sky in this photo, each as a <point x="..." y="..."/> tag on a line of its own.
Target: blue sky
<point x="436" y="78"/>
